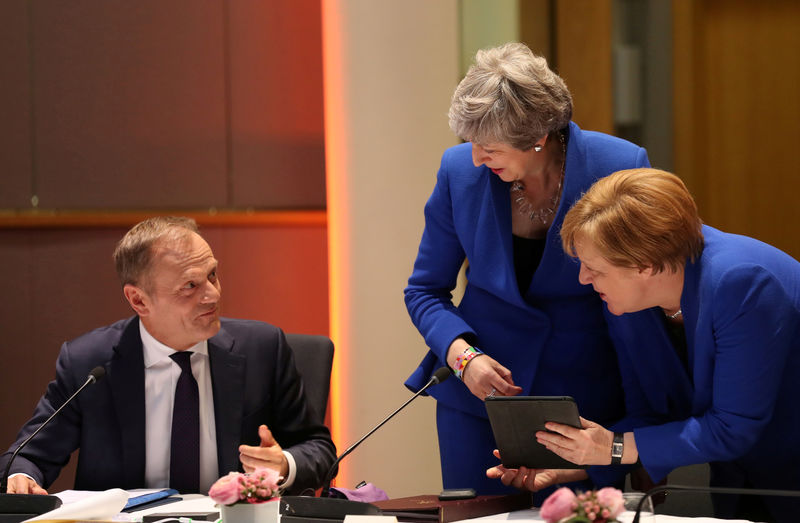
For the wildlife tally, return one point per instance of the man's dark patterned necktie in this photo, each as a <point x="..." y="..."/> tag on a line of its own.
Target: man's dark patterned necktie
<point x="184" y="462"/>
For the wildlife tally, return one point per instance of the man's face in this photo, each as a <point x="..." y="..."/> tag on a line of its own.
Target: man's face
<point x="178" y="302"/>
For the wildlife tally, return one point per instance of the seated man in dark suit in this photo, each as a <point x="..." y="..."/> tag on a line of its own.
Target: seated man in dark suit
<point x="188" y="396"/>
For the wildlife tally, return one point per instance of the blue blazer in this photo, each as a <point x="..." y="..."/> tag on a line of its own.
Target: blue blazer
<point x="254" y="381"/>
<point x="736" y="405"/>
<point x="553" y="337"/>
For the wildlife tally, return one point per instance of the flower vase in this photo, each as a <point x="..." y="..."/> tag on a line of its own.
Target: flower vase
<point x="266" y="512"/>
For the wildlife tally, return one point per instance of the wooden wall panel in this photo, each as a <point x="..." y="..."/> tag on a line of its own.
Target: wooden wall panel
<point x="535" y="27"/>
<point x="583" y="60"/>
<point x="108" y="104"/>
<point x="15" y="129"/>
<point x="277" y="142"/>
<point x="129" y="103"/>
<point x="61" y="283"/>
<point x="278" y="275"/>
<point x="737" y="114"/>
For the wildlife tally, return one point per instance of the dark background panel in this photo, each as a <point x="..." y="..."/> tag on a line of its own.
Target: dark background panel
<point x="130" y="103"/>
<point x="15" y="130"/>
<point x="61" y="284"/>
<point x="141" y="105"/>
<point x="277" y="142"/>
<point x="279" y="173"/>
<point x="17" y="324"/>
<point x="277" y="275"/>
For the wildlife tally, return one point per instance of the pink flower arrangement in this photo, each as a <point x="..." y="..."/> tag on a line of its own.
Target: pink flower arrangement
<point x="255" y="487"/>
<point x="596" y="506"/>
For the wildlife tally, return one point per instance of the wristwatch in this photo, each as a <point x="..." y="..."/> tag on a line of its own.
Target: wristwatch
<point x="616" y="448"/>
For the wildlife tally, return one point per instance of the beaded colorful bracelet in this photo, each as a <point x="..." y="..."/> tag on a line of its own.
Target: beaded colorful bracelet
<point x="464" y="358"/>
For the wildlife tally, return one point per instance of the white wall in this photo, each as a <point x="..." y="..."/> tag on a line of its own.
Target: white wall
<point x="390" y="70"/>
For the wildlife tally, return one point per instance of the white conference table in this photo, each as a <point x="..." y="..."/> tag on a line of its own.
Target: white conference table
<point x="532" y="516"/>
<point x="197" y="503"/>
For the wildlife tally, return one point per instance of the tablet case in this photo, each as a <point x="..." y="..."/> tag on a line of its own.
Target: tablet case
<point x="515" y="421"/>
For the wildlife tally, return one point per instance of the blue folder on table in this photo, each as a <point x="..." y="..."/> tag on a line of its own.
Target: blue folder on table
<point x="150" y="499"/>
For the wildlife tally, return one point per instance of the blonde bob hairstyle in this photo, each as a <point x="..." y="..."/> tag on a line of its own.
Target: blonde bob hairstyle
<point x="640" y="218"/>
<point x="509" y="96"/>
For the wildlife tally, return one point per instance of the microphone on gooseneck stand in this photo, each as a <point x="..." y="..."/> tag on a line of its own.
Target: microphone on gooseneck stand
<point x="711" y="490"/>
<point x="308" y="508"/>
<point x="16" y="507"/>
<point x="441" y="374"/>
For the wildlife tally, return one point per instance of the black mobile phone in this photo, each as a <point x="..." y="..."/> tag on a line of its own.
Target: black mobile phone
<point x="457" y="493"/>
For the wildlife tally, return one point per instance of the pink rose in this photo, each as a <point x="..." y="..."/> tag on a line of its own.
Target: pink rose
<point x="267" y="478"/>
<point x="256" y="487"/>
<point x="226" y="490"/>
<point x="611" y="498"/>
<point x="558" y="505"/>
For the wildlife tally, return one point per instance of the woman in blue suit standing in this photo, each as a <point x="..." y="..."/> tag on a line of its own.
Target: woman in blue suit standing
<point x="524" y="324"/>
<point x="707" y="326"/>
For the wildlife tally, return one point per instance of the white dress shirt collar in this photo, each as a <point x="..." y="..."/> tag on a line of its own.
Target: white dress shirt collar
<point x="155" y="351"/>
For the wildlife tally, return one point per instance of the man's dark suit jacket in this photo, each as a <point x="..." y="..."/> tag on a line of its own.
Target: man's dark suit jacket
<point x="254" y="381"/>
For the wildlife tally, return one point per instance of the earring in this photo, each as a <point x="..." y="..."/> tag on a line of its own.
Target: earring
<point x="537" y="148"/>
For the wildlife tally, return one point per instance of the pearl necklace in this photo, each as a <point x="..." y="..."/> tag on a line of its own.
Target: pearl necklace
<point x="524" y="205"/>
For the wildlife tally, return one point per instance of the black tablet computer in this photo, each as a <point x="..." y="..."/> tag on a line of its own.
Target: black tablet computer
<point x="515" y="421"/>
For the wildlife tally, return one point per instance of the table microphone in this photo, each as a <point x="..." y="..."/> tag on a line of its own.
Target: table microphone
<point x="35" y="503"/>
<point x="308" y="508"/>
<point x="711" y="490"/>
<point x="441" y="374"/>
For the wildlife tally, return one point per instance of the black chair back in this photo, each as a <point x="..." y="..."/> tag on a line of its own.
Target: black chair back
<point x="313" y="357"/>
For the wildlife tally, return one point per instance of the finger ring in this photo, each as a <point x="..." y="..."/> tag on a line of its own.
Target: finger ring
<point x="493" y="392"/>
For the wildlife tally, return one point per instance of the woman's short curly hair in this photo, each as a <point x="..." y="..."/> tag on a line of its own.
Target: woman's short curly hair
<point x="642" y="218"/>
<point x="509" y="96"/>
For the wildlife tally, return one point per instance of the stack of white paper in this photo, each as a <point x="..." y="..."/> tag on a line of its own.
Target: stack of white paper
<point x="100" y="505"/>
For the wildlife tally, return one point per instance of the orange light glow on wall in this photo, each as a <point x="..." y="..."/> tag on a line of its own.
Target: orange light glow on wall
<point x="336" y="167"/>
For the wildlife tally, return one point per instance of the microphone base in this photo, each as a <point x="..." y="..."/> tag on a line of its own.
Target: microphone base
<point x="297" y="509"/>
<point x="19" y="507"/>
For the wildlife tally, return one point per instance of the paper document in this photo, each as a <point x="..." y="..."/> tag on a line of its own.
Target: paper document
<point x="99" y="505"/>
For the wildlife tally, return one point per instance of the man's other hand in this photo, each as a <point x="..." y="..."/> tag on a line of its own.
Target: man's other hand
<point x="269" y="454"/>
<point x="22" y="484"/>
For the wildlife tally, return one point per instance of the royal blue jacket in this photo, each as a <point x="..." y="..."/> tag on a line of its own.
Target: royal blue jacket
<point x="554" y="337"/>
<point x="736" y="403"/>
